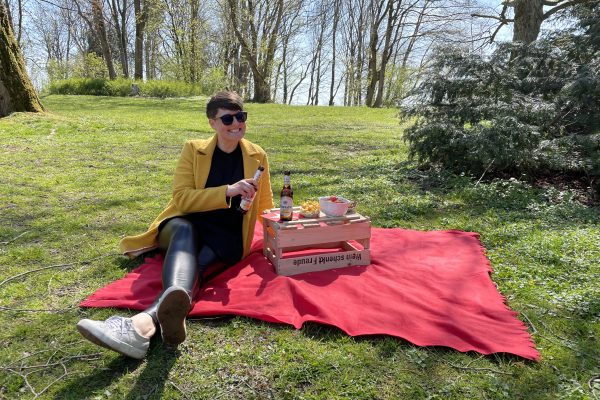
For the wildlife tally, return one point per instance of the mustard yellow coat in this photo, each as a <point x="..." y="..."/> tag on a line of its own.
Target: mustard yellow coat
<point x="190" y="195"/>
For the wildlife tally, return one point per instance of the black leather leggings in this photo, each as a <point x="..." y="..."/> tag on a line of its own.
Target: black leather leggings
<point x="184" y="261"/>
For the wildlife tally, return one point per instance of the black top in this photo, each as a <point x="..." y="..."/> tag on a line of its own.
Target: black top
<point x="221" y="229"/>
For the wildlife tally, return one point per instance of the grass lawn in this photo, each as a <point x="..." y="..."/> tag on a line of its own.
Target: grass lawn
<point x="75" y="180"/>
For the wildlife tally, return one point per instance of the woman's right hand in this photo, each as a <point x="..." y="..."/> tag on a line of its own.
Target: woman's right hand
<point x="245" y="187"/>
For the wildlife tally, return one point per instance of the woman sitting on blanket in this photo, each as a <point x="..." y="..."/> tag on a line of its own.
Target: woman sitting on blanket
<point x="201" y="225"/>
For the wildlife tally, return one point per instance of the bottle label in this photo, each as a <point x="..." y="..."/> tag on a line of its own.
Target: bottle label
<point x="286" y="206"/>
<point x="246" y="203"/>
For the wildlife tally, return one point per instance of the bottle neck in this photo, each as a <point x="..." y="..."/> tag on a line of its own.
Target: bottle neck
<point x="287" y="181"/>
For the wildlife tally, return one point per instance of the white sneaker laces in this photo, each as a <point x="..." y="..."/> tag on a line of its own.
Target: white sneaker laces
<point x="119" y="324"/>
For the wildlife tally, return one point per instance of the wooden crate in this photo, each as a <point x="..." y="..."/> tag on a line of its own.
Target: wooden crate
<point x="330" y="233"/>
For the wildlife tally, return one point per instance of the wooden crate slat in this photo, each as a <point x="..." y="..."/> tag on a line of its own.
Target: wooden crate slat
<point x="287" y="238"/>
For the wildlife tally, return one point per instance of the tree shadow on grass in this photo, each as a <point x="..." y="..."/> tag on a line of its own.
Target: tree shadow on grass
<point x="150" y="383"/>
<point x="152" y="380"/>
<point x="497" y="374"/>
<point x="555" y="203"/>
<point x="99" y="379"/>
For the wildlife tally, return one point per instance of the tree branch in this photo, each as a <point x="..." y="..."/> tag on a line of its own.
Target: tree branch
<point x="12" y="278"/>
<point x="561" y="7"/>
<point x="499" y="18"/>
<point x="502" y="22"/>
<point x="13" y="239"/>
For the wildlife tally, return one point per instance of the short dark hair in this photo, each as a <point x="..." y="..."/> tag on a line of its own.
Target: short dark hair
<point x="226" y="99"/>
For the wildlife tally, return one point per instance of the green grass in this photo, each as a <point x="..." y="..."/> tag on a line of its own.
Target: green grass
<point x="94" y="169"/>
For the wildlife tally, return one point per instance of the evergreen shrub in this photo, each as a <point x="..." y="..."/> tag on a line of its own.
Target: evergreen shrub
<point x="526" y="109"/>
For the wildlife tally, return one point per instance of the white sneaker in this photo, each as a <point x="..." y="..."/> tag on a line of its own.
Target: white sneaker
<point x="116" y="333"/>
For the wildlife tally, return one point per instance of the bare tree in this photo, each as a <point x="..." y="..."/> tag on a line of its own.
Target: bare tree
<point x="388" y="14"/>
<point x="189" y="37"/>
<point x="319" y="19"/>
<point x="54" y="36"/>
<point x="528" y="16"/>
<point x="234" y="65"/>
<point x="118" y="11"/>
<point x="96" y="24"/>
<point x="334" y="33"/>
<point x="354" y="38"/>
<point x="287" y="51"/>
<point x="258" y="43"/>
<point x="100" y="29"/>
<point x="16" y="91"/>
<point x="295" y="68"/>
<point x="149" y="20"/>
<point x="266" y="50"/>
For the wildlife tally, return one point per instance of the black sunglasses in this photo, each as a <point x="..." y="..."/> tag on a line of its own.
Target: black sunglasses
<point x="227" y="119"/>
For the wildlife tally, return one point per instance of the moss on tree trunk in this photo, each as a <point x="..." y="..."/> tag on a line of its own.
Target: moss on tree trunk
<point x="16" y="91"/>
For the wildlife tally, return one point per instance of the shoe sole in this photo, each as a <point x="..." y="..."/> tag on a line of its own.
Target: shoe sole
<point x="172" y="310"/>
<point x="101" y="339"/>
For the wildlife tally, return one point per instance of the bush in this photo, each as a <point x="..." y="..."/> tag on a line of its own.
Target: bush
<point x="122" y="87"/>
<point x="526" y="109"/>
<point x="91" y="86"/>
<point x="87" y="65"/>
<point x="164" y="89"/>
<point x="212" y="80"/>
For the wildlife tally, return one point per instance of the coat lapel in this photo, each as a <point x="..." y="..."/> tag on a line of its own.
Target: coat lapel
<point x="251" y="163"/>
<point x="205" y="150"/>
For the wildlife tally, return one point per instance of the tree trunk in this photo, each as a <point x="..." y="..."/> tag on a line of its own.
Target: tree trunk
<point x="124" y="58"/>
<point x="319" y="61"/>
<point x="20" y="22"/>
<point x="262" y="91"/>
<point x="284" y="64"/>
<point x="336" y="17"/>
<point x="98" y="13"/>
<point x="193" y="41"/>
<point x="16" y="91"/>
<point x="150" y="55"/>
<point x="529" y="15"/>
<point x="376" y="14"/>
<point x="140" y="24"/>
<point x="10" y="19"/>
<point x="360" y="59"/>
<point x="391" y="35"/>
<point x="372" y="75"/>
<point x="315" y="81"/>
<point x="380" y="86"/>
<point x="120" y="21"/>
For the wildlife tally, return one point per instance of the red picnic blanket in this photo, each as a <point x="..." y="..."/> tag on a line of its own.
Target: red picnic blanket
<point x="430" y="288"/>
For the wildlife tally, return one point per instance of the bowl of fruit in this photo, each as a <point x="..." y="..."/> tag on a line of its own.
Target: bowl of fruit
<point x="334" y="206"/>
<point x="309" y="209"/>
